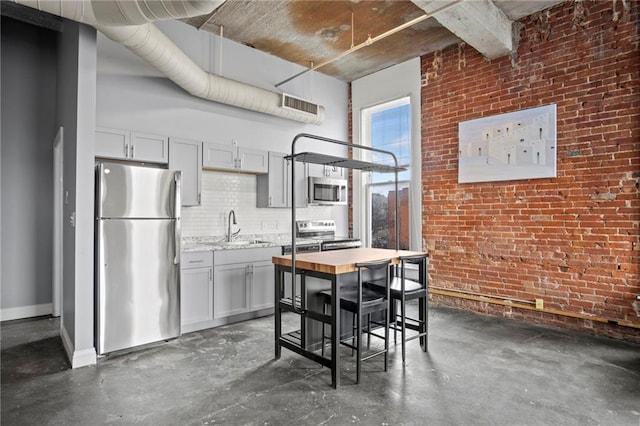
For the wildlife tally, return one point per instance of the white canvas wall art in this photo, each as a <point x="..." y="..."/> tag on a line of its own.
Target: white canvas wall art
<point x="511" y="146"/>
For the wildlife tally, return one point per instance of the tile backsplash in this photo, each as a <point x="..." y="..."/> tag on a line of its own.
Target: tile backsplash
<point x="222" y="192"/>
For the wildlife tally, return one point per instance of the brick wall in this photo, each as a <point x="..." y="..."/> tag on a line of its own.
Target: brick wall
<point x="574" y="240"/>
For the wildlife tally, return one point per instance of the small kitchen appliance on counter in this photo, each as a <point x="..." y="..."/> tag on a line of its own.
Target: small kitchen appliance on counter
<point x="137" y="255"/>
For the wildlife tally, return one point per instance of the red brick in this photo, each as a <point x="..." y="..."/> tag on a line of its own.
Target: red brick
<point x="567" y="239"/>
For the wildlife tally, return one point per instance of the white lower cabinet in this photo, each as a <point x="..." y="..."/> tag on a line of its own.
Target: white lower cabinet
<point x="231" y="292"/>
<point x="224" y="286"/>
<point x="196" y="290"/>
<point x="243" y="280"/>
<point x="262" y="285"/>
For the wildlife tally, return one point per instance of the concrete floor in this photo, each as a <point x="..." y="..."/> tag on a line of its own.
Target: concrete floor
<point x="478" y="371"/>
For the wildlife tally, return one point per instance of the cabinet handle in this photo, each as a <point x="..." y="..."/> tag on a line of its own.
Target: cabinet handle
<point x="210" y="274"/>
<point x="132" y="154"/>
<point x="199" y="198"/>
<point x="126" y="150"/>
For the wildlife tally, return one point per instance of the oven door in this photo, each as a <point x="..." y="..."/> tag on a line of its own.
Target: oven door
<point x="340" y="245"/>
<point x="301" y="248"/>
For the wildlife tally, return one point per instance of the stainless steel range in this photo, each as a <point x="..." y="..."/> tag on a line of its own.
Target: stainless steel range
<point x="302" y="246"/>
<point x="325" y="232"/>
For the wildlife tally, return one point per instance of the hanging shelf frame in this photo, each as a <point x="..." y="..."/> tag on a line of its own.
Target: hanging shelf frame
<point x="330" y="160"/>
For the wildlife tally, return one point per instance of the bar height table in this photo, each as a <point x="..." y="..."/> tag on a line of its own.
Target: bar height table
<point x="338" y="269"/>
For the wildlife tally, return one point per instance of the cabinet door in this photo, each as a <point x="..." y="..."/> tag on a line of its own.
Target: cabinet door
<point x="151" y="148"/>
<point x="253" y="160"/>
<point x="112" y="143"/>
<point x="186" y="156"/>
<point x="300" y="186"/>
<point x="274" y="189"/>
<point x="196" y="295"/>
<point x="218" y="156"/>
<point x="262" y="285"/>
<point x="230" y="290"/>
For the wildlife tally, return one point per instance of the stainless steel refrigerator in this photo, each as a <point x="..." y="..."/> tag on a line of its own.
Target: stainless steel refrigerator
<point x="137" y="255"/>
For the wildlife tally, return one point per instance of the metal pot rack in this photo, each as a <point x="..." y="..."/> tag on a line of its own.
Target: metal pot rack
<point x="330" y="160"/>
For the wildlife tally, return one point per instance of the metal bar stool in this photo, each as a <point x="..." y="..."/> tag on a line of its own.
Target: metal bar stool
<point x="362" y="301"/>
<point x="402" y="290"/>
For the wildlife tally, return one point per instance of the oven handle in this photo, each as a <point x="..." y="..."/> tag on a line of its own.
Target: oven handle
<point x="340" y="246"/>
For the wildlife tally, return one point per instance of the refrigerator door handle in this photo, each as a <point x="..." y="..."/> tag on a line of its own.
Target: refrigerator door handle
<point x="177" y="208"/>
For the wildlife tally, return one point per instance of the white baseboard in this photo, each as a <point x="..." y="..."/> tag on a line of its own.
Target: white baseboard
<point x="77" y="358"/>
<point x="20" y="312"/>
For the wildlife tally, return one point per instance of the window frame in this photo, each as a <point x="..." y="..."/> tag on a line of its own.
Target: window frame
<point x="366" y="182"/>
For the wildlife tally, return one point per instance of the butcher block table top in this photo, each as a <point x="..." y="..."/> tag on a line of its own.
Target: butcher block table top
<point x="341" y="261"/>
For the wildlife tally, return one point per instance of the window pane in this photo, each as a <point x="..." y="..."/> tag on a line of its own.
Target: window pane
<point x="382" y="210"/>
<point x="390" y="131"/>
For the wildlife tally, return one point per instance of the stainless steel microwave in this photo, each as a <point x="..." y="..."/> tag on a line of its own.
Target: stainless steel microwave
<point x="324" y="191"/>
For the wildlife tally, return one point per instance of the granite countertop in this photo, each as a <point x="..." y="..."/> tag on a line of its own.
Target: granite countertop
<point x="190" y="244"/>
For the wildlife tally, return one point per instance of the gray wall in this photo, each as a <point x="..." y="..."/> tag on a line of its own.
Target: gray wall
<point x="76" y="104"/>
<point x="28" y="81"/>
<point x="131" y="94"/>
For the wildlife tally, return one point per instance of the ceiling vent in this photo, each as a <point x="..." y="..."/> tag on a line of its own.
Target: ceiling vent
<point x="297" y="104"/>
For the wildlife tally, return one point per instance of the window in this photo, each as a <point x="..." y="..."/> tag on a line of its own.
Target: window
<point x="388" y="127"/>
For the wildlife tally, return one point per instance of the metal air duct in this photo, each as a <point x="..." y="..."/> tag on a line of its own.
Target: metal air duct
<point x="128" y="22"/>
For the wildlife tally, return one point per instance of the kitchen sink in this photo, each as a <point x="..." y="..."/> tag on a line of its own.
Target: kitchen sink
<point x="233" y="243"/>
<point x="239" y="243"/>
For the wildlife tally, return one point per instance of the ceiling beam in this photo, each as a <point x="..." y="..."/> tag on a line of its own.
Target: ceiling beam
<point x="30" y="16"/>
<point x="479" y="23"/>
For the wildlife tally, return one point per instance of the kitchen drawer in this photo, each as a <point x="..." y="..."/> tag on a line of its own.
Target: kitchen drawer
<point x="246" y="255"/>
<point x="196" y="259"/>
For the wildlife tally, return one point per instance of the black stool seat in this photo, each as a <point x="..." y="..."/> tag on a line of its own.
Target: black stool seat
<point x="402" y="290"/>
<point x="349" y="299"/>
<point x="410" y="286"/>
<point x="362" y="301"/>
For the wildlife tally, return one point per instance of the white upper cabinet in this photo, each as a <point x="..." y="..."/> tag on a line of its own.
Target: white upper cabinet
<point x="253" y="160"/>
<point x="134" y="146"/>
<point x="186" y="155"/>
<point x="147" y="147"/>
<point x="112" y="143"/>
<point x="274" y="189"/>
<point x="234" y="158"/>
<point x="218" y="156"/>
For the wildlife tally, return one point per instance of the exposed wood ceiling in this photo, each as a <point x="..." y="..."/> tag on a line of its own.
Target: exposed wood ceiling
<point x="313" y="31"/>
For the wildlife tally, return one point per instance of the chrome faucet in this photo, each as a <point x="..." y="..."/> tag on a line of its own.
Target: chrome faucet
<point x="229" y="234"/>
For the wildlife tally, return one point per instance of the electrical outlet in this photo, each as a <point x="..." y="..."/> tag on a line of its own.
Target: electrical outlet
<point x="539" y="304"/>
